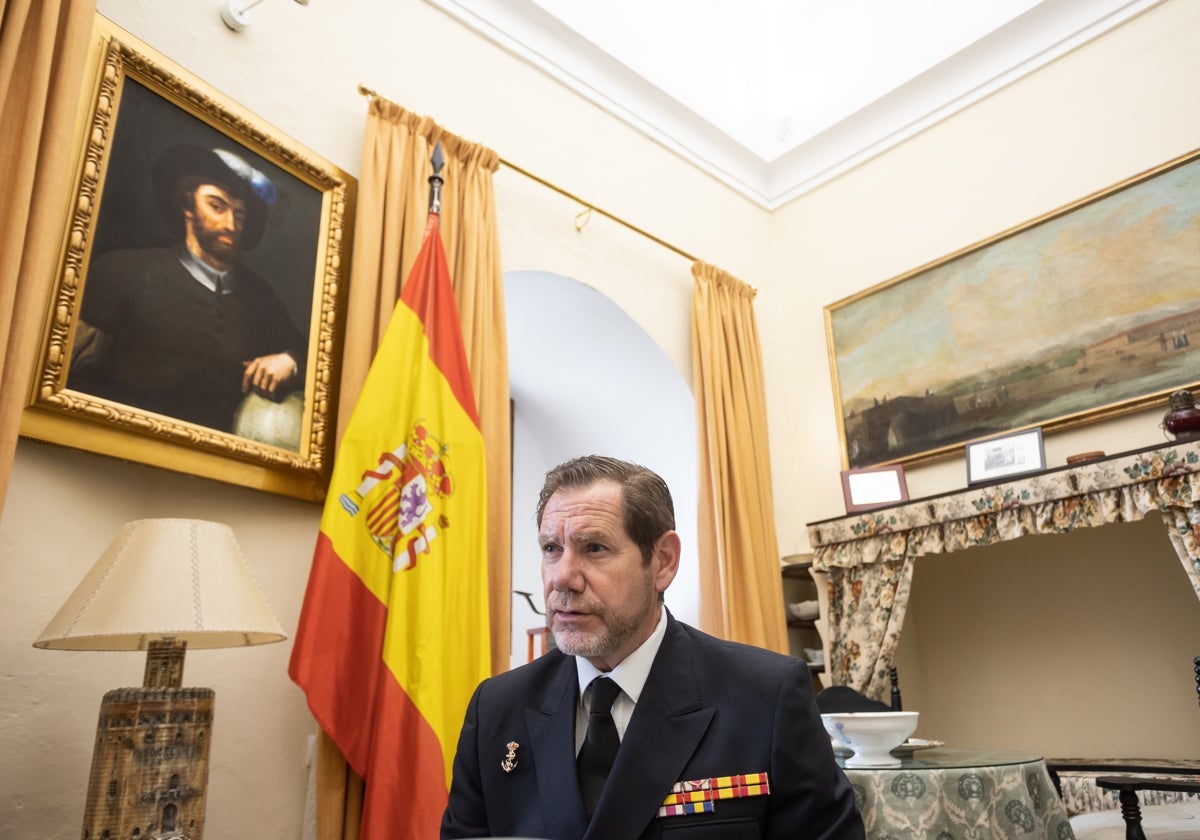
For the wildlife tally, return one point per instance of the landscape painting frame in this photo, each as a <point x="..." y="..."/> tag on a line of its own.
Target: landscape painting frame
<point x="291" y="271"/>
<point x="1077" y="316"/>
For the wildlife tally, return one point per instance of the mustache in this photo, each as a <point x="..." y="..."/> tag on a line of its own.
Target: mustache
<point x="566" y="602"/>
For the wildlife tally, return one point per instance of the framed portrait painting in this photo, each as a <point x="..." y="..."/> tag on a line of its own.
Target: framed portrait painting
<point x="197" y="309"/>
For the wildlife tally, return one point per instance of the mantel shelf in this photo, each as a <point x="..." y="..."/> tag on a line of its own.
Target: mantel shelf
<point x="1011" y="499"/>
<point x="869" y="556"/>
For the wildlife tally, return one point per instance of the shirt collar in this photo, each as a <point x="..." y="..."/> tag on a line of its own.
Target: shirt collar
<point x="631" y="673"/>
<point x="207" y="276"/>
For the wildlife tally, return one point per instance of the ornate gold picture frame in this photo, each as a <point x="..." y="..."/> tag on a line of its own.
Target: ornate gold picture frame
<point x="198" y="307"/>
<point x="1078" y="316"/>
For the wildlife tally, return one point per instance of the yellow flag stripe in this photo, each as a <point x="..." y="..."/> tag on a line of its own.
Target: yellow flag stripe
<point x="439" y="573"/>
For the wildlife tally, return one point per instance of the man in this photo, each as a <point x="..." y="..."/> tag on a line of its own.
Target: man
<point x="689" y="707"/>
<point x="187" y="330"/>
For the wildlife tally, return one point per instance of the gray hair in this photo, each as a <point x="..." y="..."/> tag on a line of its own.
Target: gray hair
<point x="645" y="498"/>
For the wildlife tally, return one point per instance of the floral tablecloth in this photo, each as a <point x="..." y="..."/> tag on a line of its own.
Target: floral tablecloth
<point x="987" y="796"/>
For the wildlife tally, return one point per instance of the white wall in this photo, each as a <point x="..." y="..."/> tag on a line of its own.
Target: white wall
<point x="1110" y="110"/>
<point x="1099" y="115"/>
<point x="1058" y="644"/>
<point x="62" y="510"/>
<point x="298" y="68"/>
<point x="1007" y="659"/>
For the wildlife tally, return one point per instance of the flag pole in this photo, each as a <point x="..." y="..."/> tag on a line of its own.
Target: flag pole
<point x="435" y="180"/>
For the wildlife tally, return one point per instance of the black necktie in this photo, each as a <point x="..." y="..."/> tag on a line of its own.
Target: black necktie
<point x="600" y="744"/>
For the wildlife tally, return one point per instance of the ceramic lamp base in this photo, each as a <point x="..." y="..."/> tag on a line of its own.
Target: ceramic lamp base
<point x="150" y="764"/>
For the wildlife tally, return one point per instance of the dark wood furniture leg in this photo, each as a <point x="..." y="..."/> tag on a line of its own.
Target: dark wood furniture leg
<point x="1127" y="788"/>
<point x="898" y="706"/>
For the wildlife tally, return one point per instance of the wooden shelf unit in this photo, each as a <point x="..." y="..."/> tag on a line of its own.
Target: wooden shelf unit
<point x="798" y="585"/>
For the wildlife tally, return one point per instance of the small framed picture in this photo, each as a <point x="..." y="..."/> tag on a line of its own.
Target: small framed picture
<point x="997" y="458"/>
<point x="873" y="487"/>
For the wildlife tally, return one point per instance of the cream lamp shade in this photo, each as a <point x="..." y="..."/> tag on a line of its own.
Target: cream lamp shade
<point x="179" y="579"/>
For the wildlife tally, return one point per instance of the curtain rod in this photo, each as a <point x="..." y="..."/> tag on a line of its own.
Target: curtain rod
<point x="593" y="208"/>
<point x="367" y="92"/>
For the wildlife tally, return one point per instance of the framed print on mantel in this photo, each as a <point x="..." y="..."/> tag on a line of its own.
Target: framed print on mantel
<point x="1005" y="456"/>
<point x="198" y="307"/>
<point x="873" y="487"/>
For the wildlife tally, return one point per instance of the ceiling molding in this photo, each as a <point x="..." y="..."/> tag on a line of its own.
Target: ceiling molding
<point x="1044" y="33"/>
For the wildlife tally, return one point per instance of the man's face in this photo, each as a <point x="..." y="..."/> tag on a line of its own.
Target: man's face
<point x="215" y="224"/>
<point x="601" y="598"/>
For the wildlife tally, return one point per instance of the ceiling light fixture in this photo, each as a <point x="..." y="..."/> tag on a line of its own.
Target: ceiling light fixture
<point x="235" y="13"/>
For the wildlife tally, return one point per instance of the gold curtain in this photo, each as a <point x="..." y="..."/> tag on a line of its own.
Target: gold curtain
<point x="393" y="206"/>
<point x="741" y="591"/>
<point x="43" y="53"/>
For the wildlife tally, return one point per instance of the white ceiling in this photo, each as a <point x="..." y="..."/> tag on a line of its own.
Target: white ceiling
<point x="775" y="97"/>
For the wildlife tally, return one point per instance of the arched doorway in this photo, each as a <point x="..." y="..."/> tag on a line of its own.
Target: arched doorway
<point x="586" y="379"/>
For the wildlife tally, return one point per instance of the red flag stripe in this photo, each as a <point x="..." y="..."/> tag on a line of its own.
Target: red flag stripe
<point x="350" y="648"/>
<point x="427" y="299"/>
<point x="381" y="518"/>
<point x="334" y="594"/>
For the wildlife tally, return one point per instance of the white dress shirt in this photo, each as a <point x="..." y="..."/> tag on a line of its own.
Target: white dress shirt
<point x="630" y="674"/>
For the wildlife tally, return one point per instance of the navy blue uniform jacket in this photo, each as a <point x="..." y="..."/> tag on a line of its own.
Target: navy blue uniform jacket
<point x="709" y="708"/>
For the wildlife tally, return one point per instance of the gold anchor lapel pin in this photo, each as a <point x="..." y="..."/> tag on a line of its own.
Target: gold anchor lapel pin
<point x="510" y="760"/>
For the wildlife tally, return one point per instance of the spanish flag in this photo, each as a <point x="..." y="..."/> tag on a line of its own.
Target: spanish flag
<point x="393" y="634"/>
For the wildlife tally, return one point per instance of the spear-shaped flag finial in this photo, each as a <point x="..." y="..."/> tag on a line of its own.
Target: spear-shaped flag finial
<point x="435" y="180"/>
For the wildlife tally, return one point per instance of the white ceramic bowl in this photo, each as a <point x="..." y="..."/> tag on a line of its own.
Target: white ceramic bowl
<point x="872" y="735"/>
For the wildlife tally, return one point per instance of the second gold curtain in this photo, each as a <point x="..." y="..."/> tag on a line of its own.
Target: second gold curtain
<point x="741" y="591"/>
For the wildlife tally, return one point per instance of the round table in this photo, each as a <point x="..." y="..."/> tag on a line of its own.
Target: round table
<point x="958" y="793"/>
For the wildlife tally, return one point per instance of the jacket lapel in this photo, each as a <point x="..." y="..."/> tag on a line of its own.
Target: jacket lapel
<point x="667" y="724"/>
<point x="552" y="732"/>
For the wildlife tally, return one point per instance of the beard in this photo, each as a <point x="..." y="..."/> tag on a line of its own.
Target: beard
<point x="211" y="244"/>
<point x="615" y="628"/>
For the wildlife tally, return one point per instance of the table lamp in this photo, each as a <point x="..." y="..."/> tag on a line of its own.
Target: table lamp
<point x="161" y="585"/>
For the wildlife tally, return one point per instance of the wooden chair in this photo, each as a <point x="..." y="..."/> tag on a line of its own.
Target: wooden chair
<point x="842" y="698"/>
<point x="1129" y="777"/>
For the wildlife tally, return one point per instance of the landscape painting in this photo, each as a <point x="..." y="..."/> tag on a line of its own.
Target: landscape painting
<point x="1088" y="312"/>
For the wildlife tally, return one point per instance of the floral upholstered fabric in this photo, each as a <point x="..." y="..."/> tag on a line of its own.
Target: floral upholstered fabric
<point x="869" y="556"/>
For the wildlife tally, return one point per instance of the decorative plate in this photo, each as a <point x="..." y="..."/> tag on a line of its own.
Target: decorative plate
<point x="913" y="745"/>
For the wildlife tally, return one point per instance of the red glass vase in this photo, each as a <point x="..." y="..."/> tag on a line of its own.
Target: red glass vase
<point x="1182" y="418"/>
